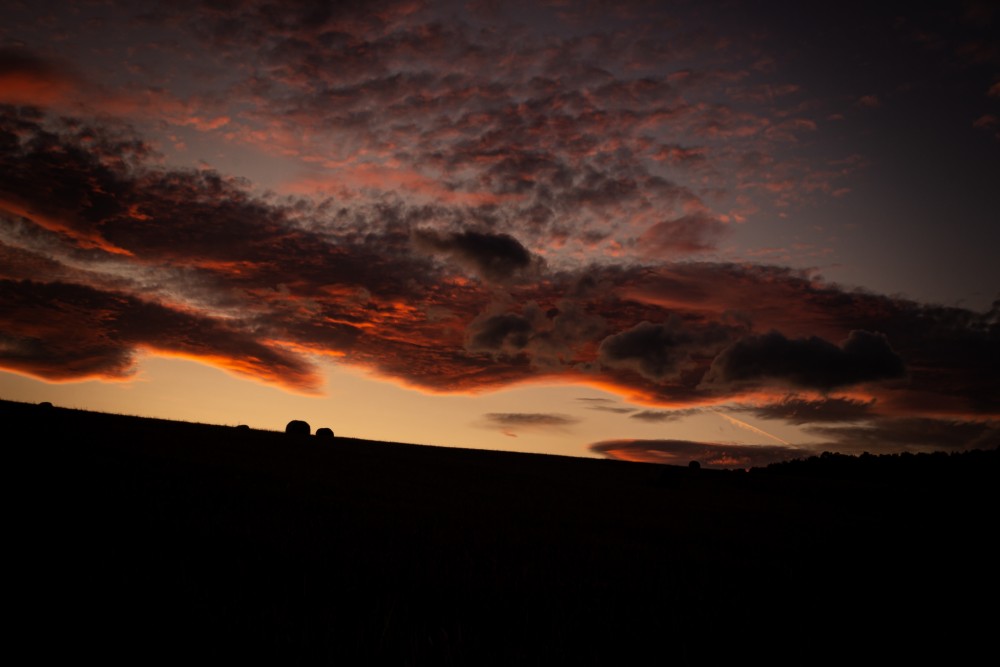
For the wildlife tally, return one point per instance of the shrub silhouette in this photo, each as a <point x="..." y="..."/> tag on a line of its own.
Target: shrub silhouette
<point x="298" y="427"/>
<point x="324" y="433"/>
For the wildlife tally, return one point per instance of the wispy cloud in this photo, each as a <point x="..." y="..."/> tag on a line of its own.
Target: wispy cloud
<point x="512" y="423"/>
<point x="606" y="405"/>
<point x="710" y="454"/>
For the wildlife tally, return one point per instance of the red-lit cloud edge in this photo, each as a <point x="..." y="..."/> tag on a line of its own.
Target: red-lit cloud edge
<point x="104" y="254"/>
<point x="458" y="161"/>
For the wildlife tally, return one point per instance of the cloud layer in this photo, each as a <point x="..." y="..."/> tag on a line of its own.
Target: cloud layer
<point x="475" y="202"/>
<point x="681" y="452"/>
<point x="93" y="226"/>
<point x="807" y="363"/>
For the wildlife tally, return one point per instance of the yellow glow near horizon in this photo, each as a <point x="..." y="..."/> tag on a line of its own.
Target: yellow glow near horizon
<point x="354" y="404"/>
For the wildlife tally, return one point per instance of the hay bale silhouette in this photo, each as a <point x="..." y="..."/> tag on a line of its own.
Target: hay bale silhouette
<point x="298" y="427"/>
<point x="324" y="433"/>
<point x="45" y="405"/>
<point x="242" y="427"/>
<point x="694" y="466"/>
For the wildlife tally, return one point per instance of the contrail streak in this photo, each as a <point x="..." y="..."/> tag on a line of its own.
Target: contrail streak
<point x="749" y="427"/>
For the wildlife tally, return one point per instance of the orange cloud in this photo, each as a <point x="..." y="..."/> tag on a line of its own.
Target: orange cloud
<point x="63" y="223"/>
<point x="129" y="256"/>
<point x="709" y="454"/>
<point x="30" y="89"/>
<point x="28" y="79"/>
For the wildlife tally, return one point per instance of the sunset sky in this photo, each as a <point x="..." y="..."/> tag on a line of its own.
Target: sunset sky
<point x="736" y="232"/>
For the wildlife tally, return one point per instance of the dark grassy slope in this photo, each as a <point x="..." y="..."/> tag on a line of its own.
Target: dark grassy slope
<point x="140" y="539"/>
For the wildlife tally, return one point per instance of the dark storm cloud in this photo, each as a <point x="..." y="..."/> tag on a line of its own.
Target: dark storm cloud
<point x="804" y="411"/>
<point x="71" y="179"/>
<point x="658" y="351"/>
<point x="812" y="362"/>
<point x="506" y="332"/>
<point x="94" y="231"/>
<point x="710" y="454"/>
<point x="949" y="353"/>
<point x="61" y="331"/>
<point x="550" y="338"/>
<point x="492" y="256"/>
<point x="952" y="355"/>
<point x="74" y="196"/>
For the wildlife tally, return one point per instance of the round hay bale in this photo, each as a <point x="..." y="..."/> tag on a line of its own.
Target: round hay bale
<point x="324" y="433"/>
<point x="298" y="427"/>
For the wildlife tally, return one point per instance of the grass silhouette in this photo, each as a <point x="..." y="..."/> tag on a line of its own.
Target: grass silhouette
<point x="144" y="540"/>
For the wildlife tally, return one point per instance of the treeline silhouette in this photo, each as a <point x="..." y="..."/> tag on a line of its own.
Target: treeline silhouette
<point x="976" y="462"/>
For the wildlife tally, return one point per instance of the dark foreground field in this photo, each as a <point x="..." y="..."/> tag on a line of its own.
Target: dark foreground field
<point x="142" y="541"/>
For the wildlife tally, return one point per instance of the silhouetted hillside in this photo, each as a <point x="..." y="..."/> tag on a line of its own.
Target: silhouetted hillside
<point x="975" y="463"/>
<point x="145" y="540"/>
